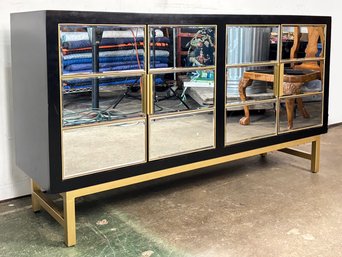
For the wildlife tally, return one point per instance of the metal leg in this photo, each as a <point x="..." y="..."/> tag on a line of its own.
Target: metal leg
<point x="69" y="219"/>
<point x="315" y="153"/>
<point x="35" y="202"/>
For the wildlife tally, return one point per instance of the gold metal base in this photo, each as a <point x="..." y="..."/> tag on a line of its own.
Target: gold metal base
<point x="67" y="217"/>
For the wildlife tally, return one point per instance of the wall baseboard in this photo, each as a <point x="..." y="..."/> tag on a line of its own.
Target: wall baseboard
<point x="16" y="189"/>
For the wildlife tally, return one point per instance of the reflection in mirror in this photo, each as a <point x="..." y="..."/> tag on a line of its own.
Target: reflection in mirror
<point x="182" y="46"/>
<point x="101" y="48"/>
<point x="179" y="134"/>
<point x="118" y="98"/>
<point x="263" y="122"/>
<point x="95" y="148"/>
<point x="302" y="77"/>
<point x="303" y="41"/>
<point x="183" y="91"/>
<point x="300" y="112"/>
<point x="249" y="44"/>
<point x="250" y="83"/>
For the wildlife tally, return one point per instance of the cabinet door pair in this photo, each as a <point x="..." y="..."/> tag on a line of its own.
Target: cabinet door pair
<point x="134" y="93"/>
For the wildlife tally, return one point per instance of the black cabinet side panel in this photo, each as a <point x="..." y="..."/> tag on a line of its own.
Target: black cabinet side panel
<point x="30" y="102"/>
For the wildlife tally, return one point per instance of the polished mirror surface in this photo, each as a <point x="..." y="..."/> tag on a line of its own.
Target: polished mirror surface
<point x="300" y="112"/>
<point x="179" y="134"/>
<point x="183" y="91"/>
<point x="97" y="148"/>
<point x="250" y="44"/>
<point x="118" y="98"/>
<point x="101" y="48"/>
<point x="262" y="122"/>
<point x="252" y="83"/>
<point x="182" y="46"/>
<point x="303" y="41"/>
<point x="302" y="77"/>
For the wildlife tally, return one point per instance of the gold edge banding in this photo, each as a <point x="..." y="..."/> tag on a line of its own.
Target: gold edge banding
<point x="123" y="73"/>
<point x="180" y="113"/>
<point x="179" y="69"/>
<point x="105" y="123"/>
<point x="251" y="64"/>
<point x="103" y="24"/>
<point x="299" y="129"/>
<point x="301" y="95"/>
<point x="251" y="102"/>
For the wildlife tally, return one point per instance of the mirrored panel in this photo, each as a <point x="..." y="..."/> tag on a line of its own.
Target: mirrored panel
<point x="262" y="122"/>
<point x="179" y="134"/>
<point x="97" y="148"/>
<point x="302" y="41"/>
<point x="250" y="44"/>
<point x="117" y="98"/>
<point x="300" y="112"/>
<point x="252" y="83"/>
<point x="302" y="77"/>
<point x="101" y="48"/>
<point x="183" y="91"/>
<point x="182" y="46"/>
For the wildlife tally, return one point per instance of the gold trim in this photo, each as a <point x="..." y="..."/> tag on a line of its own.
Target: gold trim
<point x="232" y="143"/>
<point x="277" y="116"/>
<point x="106" y="123"/>
<point x="123" y="73"/>
<point x="301" y="95"/>
<point x="180" y="113"/>
<point x="183" y="152"/>
<point x="103" y="24"/>
<point x="303" y="25"/>
<point x="150" y="95"/>
<point x="276" y="80"/>
<point x="214" y="94"/>
<point x="180" y="25"/>
<point x="299" y="129"/>
<point x="251" y="64"/>
<point x="253" y="25"/>
<point x="143" y="94"/>
<point x="179" y="69"/>
<point x="294" y="60"/>
<point x="281" y="80"/>
<point x="251" y="102"/>
<point x="279" y="43"/>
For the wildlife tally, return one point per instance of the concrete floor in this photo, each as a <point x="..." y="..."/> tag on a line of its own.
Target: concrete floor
<point x="271" y="206"/>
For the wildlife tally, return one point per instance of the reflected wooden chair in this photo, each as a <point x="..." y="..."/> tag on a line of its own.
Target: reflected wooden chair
<point x="293" y="78"/>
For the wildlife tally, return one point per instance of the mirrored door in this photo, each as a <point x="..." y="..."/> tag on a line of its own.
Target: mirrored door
<point x="182" y="75"/>
<point x="102" y="85"/>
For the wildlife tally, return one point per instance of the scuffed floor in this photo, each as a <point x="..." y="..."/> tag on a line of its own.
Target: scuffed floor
<point x="271" y="206"/>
